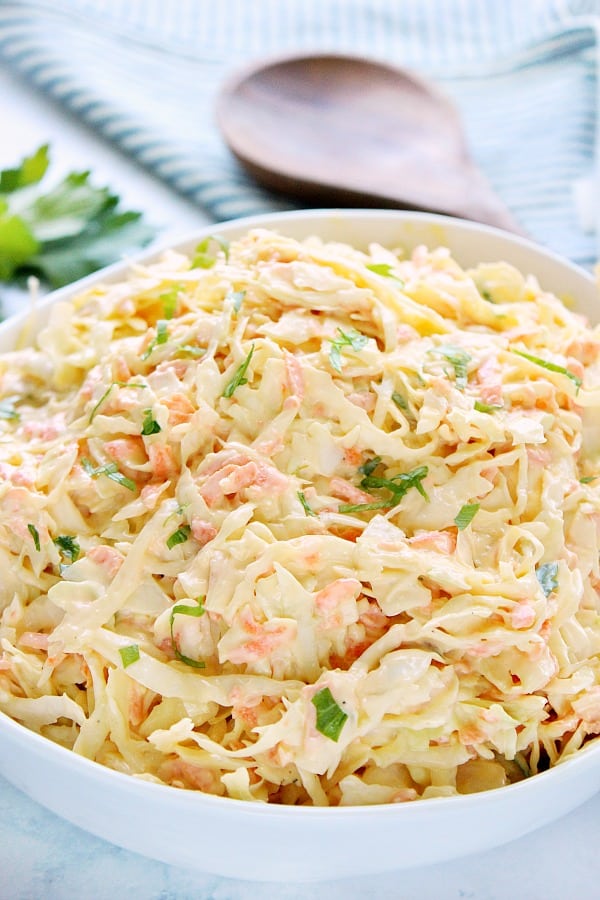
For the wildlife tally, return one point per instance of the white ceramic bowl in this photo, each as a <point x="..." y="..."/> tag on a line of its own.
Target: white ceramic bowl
<point x="255" y="841"/>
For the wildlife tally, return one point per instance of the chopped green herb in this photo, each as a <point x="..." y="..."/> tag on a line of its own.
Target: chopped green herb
<point x="486" y="295"/>
<point x="179" y="537"/>
<point x="184" y="610"/>
<point x="236" y="298"/>
<point x="205" y="255"/>
<point x="129" y="654"/>
<point x="331" y="718"/>
<point x="169" y="301"/>
<point x="369" y="465"/>
<point x="552" y="367"/>
<point x="35" y="535"/>
<point x="111" y="471"/>
<point x="8" y="411"/>
<point x="162" y="336"/>
<point x="351" y="338"/>
<point x="189" y="350"/>
<point x="63" y="233"/>
<point x="400" y="402"/>
<point x="466" y="515"/>
<point x="363" y="507"/>
<point x="384" y="269"/>
<point x="107" y="392"/>
<point x="240" y="376"/>
<point x="100" y="402"/>
<point x="307" y="507"/>
<point x="31" y="170"/>
<point x="68" y="546"/>
<point x="485" y="407"/>
<point x="587" y="479"/>
<point x="458" y="359"/>
<point x="547" y="575"/>
<point x="150" y="425"/>
<point x="399" y="484"/>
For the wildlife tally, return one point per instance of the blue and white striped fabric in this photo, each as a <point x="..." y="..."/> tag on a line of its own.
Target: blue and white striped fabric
<point x="145" y="73"/>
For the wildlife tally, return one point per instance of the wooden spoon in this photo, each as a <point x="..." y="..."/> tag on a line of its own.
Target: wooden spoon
<point x="352" y="131"/>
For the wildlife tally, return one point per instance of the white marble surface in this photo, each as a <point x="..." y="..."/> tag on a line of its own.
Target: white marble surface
<point x="42" y="856"/>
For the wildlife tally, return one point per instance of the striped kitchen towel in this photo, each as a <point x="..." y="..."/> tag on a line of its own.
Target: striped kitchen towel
<point x="144" y="73"/>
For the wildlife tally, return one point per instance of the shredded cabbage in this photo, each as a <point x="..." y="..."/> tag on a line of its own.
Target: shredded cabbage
<point x="299" y="524"/>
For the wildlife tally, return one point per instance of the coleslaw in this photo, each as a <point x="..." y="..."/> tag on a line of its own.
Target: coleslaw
<point x="295" y="523"/>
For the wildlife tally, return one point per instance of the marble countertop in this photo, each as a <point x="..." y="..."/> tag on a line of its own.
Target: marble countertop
<point x="42" y="856"/>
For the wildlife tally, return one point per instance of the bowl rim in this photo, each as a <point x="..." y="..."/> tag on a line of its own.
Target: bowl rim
<point x="586" y="756"/>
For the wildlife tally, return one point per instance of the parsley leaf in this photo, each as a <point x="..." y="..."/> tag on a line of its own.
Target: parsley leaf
<point x="351" y="338"/>
<point x="179" y="537"/>
<point x="35" y="535"/>
<point x="465" y="515"/>
<point x="587" y="479"/>
<point x="63" y="233"/>
<point x="185" y="610"/>
<point x="397" y="485"/>
<point x="111" y="470"/>
<point x="331" y="718"/>
<point x="458" y="359"/>
<point x="547" y="575"/>
<point x="68" y="546"/>
<point x="31" y="170"/>
<point x="129" y="654"/>
<point x="150" y="425"/>
<point x="239" y="377"/>
<point x="550" y="366"/>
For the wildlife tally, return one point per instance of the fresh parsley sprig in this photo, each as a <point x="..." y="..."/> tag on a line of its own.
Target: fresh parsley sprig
<point x="397" y="486"/>
<point x="63" y="233"/>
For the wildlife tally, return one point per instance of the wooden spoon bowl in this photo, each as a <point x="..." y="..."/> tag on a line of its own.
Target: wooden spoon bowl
<point x="351" y="131"/>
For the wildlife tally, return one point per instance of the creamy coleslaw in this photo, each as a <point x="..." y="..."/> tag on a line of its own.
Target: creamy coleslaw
<point x="294" y="523"/>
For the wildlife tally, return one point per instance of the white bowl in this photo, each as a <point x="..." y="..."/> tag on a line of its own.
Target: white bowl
<point x="256" y="841"/>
